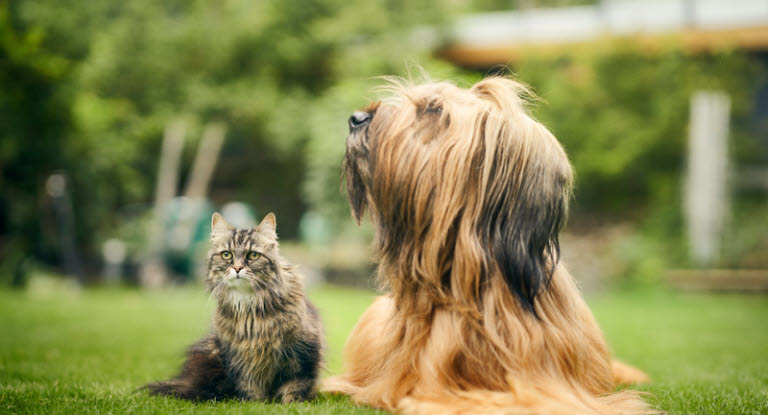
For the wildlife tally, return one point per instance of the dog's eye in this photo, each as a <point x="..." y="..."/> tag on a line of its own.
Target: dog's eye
<point x="433" y="107"/>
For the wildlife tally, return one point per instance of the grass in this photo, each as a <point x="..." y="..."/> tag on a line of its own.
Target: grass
<point x="65" y="351"/>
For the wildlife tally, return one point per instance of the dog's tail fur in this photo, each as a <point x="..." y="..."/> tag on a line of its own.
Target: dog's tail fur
<point x="624" y="374"/>
<point x="525" y="402"/>
<point x="367" y="380"/>
<point x="523" y="399"/>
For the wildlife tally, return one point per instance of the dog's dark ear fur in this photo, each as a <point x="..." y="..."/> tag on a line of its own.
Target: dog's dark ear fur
<point x="522" y="230"/>
<point x="356" y="191"/>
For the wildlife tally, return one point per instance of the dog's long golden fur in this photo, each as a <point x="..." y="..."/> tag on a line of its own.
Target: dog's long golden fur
<point x="468" y="194"/>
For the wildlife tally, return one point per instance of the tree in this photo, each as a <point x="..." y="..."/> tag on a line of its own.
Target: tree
<point x="34" y="118"/>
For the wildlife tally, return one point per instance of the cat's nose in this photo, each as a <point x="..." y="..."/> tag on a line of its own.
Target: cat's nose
<point x="237" y="268"/>
<point x="358" y="119"/>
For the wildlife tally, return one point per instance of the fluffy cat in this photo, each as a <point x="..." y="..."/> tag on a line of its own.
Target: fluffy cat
<point x="266" y="342"/>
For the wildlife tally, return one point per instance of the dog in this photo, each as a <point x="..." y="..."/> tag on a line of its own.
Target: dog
<point x="467" y="194"/>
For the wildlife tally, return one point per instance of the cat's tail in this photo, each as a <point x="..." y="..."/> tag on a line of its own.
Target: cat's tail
<point x="173" y="388"/>
<point x="193" y="386"/>
<point x="202" y="377"/>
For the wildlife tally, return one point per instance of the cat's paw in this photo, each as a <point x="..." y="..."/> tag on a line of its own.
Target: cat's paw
<point x="297" y="390"/>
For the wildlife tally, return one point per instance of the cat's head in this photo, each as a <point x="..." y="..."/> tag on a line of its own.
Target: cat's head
<point x="243" y="261"/>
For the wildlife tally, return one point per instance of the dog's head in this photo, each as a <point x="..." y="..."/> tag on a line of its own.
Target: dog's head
<point x="463" y="186"/>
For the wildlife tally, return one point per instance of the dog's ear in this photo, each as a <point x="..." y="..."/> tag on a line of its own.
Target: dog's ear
<point x="525" y="207"/>
<point x="356" y="191"/>
<point x="524" y="244"/>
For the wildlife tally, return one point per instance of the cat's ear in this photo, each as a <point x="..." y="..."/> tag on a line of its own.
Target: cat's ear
<point x="269" y="224"/>
<point x="219" y="225"/>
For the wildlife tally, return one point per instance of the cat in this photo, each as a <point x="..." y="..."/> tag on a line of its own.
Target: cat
<point x="266" y="343"/>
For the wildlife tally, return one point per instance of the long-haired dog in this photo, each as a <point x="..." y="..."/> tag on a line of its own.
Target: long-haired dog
<point x="467" y="194"/>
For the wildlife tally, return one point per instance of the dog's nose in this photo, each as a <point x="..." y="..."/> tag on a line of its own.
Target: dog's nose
<point x="358" y="119"/>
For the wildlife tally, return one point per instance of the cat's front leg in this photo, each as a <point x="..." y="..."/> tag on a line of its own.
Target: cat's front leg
<point x="253" y="389"/>
<point x="296" y="390"/>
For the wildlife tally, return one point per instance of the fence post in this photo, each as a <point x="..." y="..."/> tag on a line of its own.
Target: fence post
<point x="153" y="272"/>
<point x="706" y="193"/>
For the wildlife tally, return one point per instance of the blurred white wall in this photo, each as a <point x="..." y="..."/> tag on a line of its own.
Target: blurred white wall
<point x="610" y="17"/>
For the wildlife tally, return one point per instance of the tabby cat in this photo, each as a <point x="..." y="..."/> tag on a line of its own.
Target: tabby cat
<point x="266" y="342"/>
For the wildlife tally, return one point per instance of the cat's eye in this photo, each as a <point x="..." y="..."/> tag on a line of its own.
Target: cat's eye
<point x="252" y="256"/>
<point x="226" y="255"/>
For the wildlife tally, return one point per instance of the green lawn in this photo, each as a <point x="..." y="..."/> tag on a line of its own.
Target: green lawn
<point x="64" y="351"/>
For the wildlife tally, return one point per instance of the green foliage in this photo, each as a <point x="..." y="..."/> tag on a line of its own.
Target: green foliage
<point x="500" y="5"/>
<point x="263" y="68"/>
<point x="622" y="116"/>
<point x="33" y="119"/>
<point x="745" y="235"/>
<point x="104" y="79"/>
<point x="94" y="87"/>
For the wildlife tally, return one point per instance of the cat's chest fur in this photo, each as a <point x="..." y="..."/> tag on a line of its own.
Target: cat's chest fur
<point x="255" y="346"/>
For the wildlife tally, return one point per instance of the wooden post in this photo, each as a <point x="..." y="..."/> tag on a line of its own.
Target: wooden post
<point x="205" y="160"/>
<point x="706" y="193"/>
<point x="197" y="185"/>
<point x="153" y="273"/>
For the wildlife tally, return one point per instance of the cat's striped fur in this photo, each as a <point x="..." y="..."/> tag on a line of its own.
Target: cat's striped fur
<point x="267" y="341"/>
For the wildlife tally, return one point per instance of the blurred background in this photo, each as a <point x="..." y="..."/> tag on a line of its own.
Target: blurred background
<point x="125" y="124"/>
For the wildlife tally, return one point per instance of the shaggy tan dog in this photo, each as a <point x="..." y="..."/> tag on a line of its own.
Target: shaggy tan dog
<point x="468" y="194"/>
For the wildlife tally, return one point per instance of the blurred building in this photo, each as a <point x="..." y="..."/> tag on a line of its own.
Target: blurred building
<point x="488" y="39"/>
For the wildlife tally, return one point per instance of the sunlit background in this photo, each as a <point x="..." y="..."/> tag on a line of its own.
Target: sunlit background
<point x="125" y="124"/>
